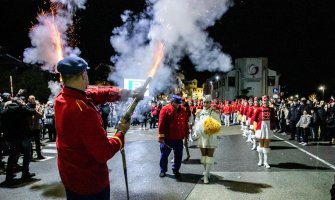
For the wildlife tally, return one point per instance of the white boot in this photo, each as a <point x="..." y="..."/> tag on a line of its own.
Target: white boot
<point x="203" y="162"/>
<point x="254" y="143"/>
<point x="266" y="151"/>
<point x="249" y="136"/>
<point x="260" y="152"/>
<point x="245" y="132"/>
<point x="203" y="159"/>
<point x="209" y="163"/>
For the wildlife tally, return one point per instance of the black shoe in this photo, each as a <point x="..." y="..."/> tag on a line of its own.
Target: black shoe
<point x="28" y="175"/>
<point x="40" y="157"/>
<point x="176" y="174"/>
<point x="9" y="178"/>
<point x="291" y="139"/>
<point x="187" y="159"/>
<point x="162" y="174"/>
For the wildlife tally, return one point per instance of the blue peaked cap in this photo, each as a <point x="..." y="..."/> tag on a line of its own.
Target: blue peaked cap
<point x="176" y="99"/>
<point x="72" y="65"/>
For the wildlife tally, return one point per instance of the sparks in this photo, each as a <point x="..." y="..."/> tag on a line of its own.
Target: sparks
<point x="158" y="57"/>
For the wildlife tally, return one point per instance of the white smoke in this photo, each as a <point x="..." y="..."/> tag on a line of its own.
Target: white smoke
<point x="55" y="88"/>
<point x="181" y="25"/>
<point x="72" y="5"/>
<point x="43" y="35"/>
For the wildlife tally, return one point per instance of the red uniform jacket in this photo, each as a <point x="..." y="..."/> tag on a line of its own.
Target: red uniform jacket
<point x="250" y="112"/>
<point x="172" y="124"/>
<point x="245" y="110"/>
<point x="262" y="114"/>
<point x="226" y="109"/>
<point x="253" y="113"/>
<point x="82" y="145"/>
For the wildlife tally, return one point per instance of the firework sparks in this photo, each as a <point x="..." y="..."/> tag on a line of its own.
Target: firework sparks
<point x="158" y="57"/>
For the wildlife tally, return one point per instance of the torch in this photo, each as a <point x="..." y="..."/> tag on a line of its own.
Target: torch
<point x="130" y="109"/>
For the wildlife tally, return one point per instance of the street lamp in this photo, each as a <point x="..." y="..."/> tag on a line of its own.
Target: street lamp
<point x="322" y="88"/>
<point x="217" y="77"/>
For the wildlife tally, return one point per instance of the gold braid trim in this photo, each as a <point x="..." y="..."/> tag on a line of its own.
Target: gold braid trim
<point x="119" y="140"/>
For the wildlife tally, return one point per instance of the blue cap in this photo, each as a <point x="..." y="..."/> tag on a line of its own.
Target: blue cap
<point x="72" y="65"/>
<point x="176" y="99"/>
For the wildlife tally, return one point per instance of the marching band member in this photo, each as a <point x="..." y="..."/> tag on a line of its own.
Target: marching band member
<point x="263" y="130"/>
<point x="207" y="125"/>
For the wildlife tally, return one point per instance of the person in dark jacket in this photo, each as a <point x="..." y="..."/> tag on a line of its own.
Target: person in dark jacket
<point x="294" y="114"/>
<point x="321" y="112"/>
<point x="49" y="121"/>
<point x="330" y="122"/>
<point x="16" y="132"/>
<point x="35" y="126"/>
<point x="314" y="124"/>
<point x="105" y="110"/>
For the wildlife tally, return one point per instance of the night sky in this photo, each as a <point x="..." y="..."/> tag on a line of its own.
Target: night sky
<point x="295" y="35"/>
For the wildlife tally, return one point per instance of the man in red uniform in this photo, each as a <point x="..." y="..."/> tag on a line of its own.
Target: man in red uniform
<point x="82" y="145"/>
<point x="172" y="128"/>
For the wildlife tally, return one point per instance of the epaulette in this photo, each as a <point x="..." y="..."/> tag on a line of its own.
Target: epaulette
<point x="81" y="104"/>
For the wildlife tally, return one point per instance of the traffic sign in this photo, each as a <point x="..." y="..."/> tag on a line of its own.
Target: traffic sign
<point x="275" y="90"/>
<point x="131" y="84"/>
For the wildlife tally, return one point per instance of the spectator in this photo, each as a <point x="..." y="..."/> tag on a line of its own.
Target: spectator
<point x="304" y="126"/>
<point x="154" y="115"/>
<point x="314" y="124"/>
<point x="35" y="126"/>
<point x="49" y="121"/>
<point x="330" y="122"/>
<point x="293" y="117"/>
<point x="105" y="110"/>
<point x="16" y="131"/>
<point x="321" y="112"/>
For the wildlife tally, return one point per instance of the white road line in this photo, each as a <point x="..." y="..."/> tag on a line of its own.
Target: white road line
<point x="49" y="151"/>
<point x="46" y="158"/>
<point x="308" y="153"/>
<point x="51" y="145"/>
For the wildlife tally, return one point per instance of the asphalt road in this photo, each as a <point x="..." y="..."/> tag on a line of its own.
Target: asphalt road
<point x="296" y="172"/>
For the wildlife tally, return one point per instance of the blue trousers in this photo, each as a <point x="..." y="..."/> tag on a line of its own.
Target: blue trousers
<point x="177" y="146"/>
<point x="103" y="195"/>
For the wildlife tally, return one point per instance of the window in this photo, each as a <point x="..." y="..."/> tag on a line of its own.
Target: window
<point x="231" y="81"/>
<point x="271" y="80"/>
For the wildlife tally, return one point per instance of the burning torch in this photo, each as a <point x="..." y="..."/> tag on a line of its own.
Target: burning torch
<point x="130" y="109"/>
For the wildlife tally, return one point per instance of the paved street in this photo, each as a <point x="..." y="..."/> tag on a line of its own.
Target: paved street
<point x="297" y="172"/>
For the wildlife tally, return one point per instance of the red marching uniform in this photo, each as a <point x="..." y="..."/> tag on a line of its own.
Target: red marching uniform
<point x="263" y="115"/>
<point x="82" y="145"/>
<point x="172" y="128"/>
<point x="172" y="125"/>
<point x="226" y="109"/>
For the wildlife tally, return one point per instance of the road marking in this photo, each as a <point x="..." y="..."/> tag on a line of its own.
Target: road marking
<point x="51" y="145"/>
<point x="46" y="158"/>
<point x="308" y="153"/>
<point x="49" y="151"/>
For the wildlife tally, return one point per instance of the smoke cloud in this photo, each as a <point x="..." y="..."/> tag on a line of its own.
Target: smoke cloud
<point x="48" y="36"/>
<point x="55" y="88"/>
<point x="181" y="26"/>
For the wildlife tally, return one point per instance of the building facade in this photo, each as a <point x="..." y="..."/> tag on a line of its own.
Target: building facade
<point x="250" y="77"/>
<point x="192" y="90"/>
